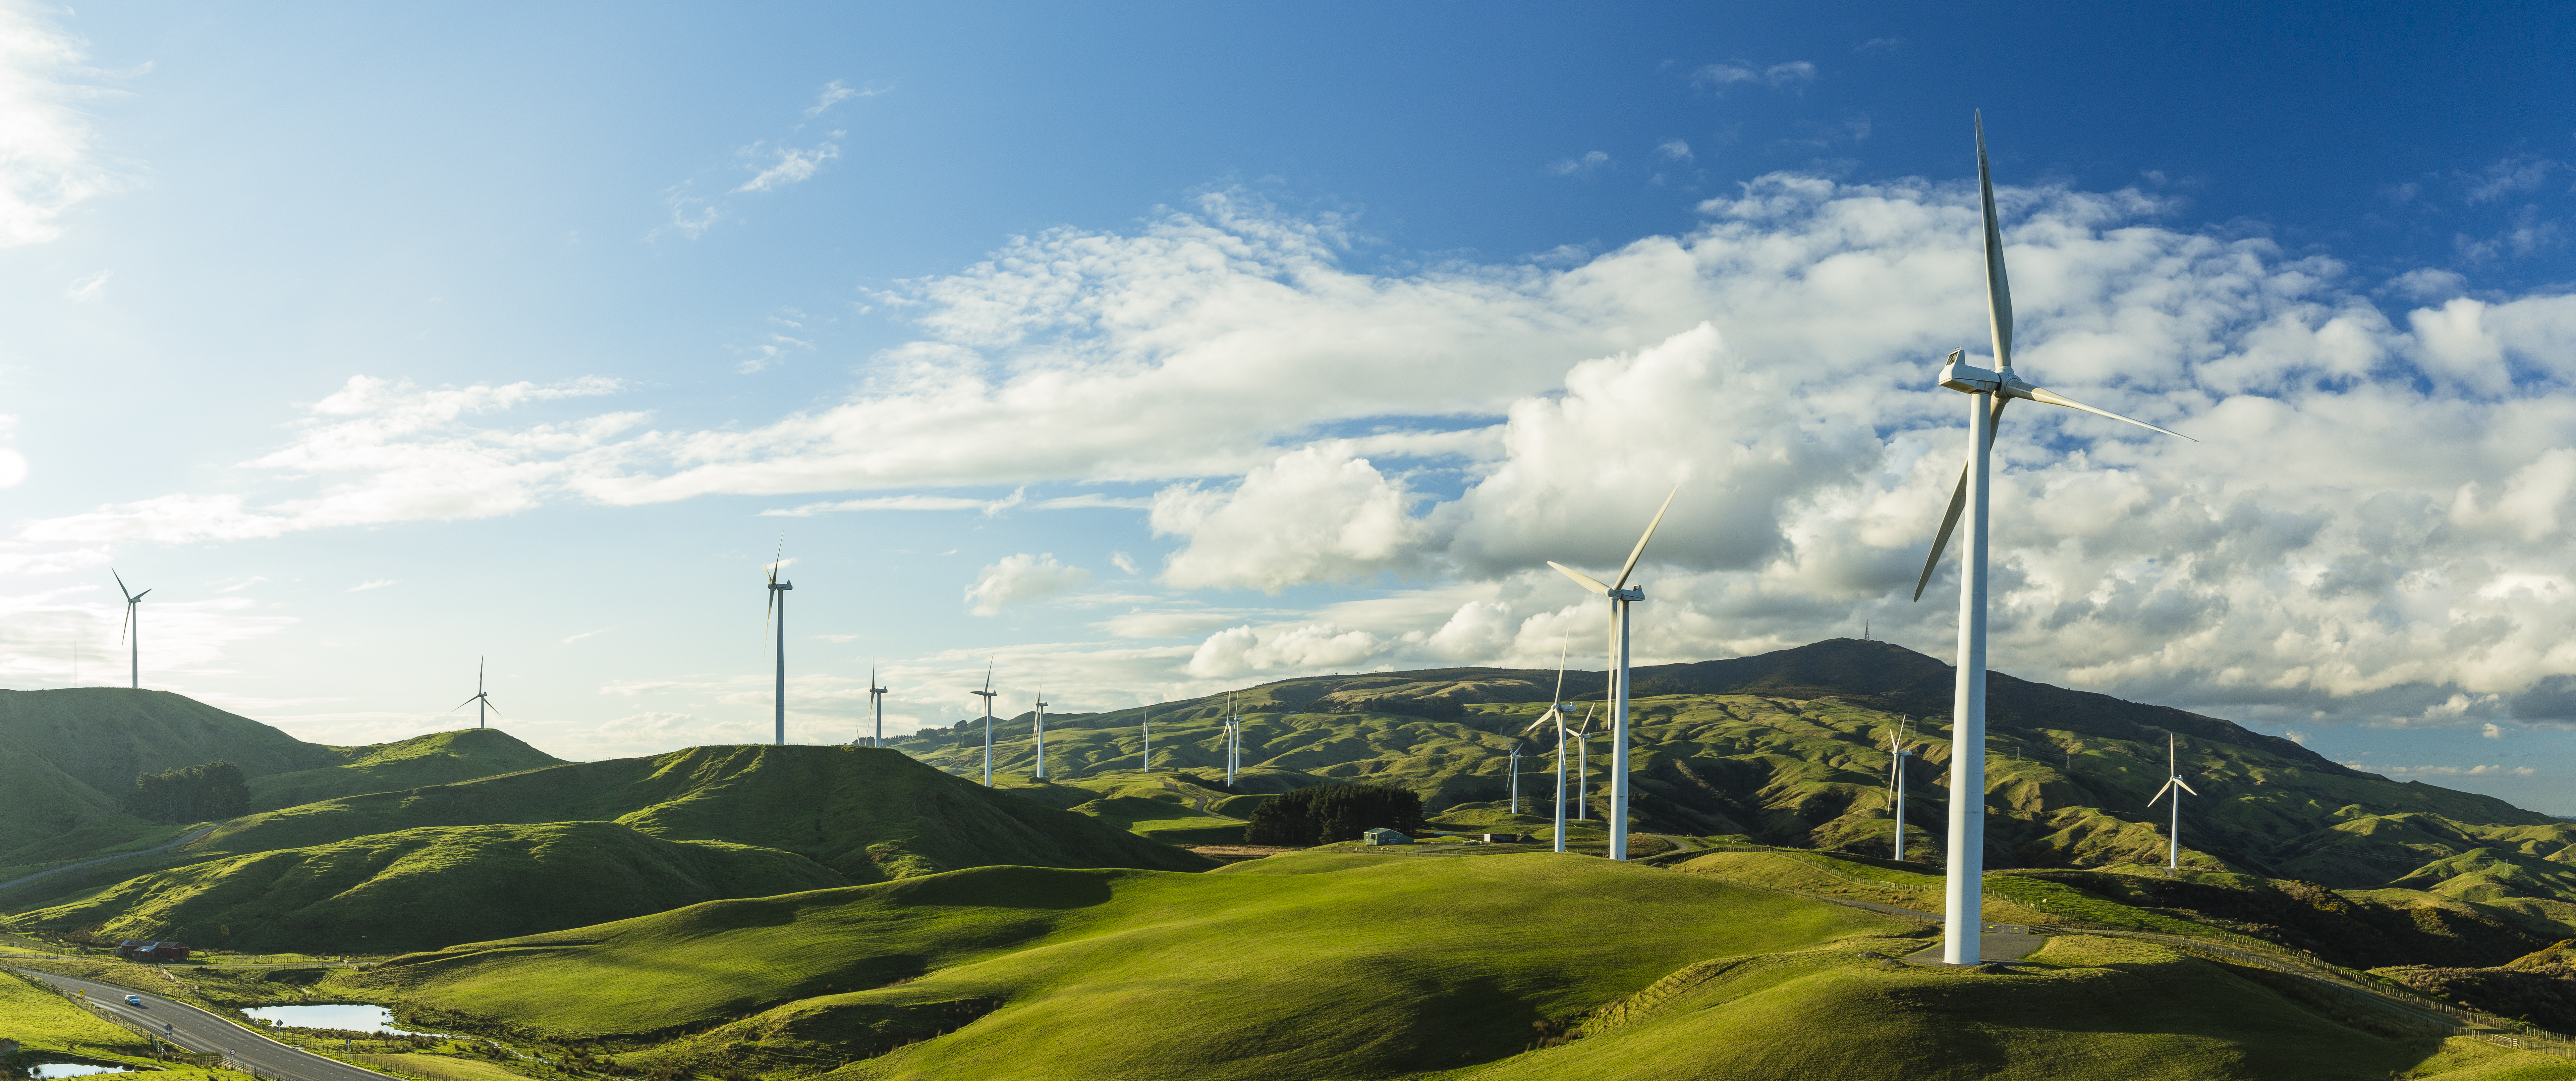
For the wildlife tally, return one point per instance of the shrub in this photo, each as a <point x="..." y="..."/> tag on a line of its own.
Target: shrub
<point x="190" y="794"/>
<point x="1314" y="816"/>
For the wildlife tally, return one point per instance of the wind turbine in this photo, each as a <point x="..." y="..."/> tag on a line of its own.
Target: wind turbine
<point x="1897" y="753"/>
<point x="1516" y="778"/>
<point x="1229" y="740"/>
<point x="481" y="700"/>
<point x="1149" y="739"/>
<point x="778" y="606"/>
<point x="133" y="623"/>
<point x="876" y="704"/>
<point x="1620" y="597"/>
<point x="2173" y="780"/>
<point x="1583" y="766"/>
<point x="1988" y="392"/>
<point x="987" y="695"/>
<point x="1556" y="712"/>
<point x="1041" y="733"/>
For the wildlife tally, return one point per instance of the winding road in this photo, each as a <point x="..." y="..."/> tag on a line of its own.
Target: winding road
<point x="22" y="880"/>
<point x="205" y="1033"/>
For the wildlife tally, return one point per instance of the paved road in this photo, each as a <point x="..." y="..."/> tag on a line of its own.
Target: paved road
<point x="26" y="879"/>
<point x="206" y="1033"/>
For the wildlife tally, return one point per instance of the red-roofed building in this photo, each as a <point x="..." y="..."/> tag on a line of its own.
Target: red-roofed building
<point x="135" y="949"/>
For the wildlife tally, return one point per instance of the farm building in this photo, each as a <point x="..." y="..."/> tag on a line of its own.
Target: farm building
<point x="135" y="949"/>
<point x="1384" y="836"/>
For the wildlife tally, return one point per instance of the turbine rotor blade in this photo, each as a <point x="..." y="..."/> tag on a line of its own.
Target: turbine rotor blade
<point x="2185" y="787"/>
<point x="120" y="584"/>
<point x="2160" y="793"/>
<point x="1958" y="504"/>
<point x="1640" y="550"/>
<point x="1998" y="290"/>
<point x="463" y="704"/>
<point x="139" y="596"/>
<point x="2051" y="397"/>
<point x="1550" y="715"/>
<point x="129" y="621"/>
<point x="1563" y="644"/>
<point x="1580" y="578"/>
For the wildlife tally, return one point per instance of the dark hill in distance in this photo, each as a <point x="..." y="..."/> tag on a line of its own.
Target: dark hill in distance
<point x="1789" y="748"/>
<point x="104" y="736"/>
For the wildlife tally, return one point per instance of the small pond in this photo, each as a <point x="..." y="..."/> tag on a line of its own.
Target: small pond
<point x="358" y="1018"/>
<point x="51" y="1070"/>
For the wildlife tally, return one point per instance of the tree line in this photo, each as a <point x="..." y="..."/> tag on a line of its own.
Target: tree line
<point x="195" y="793"/>
<point x="1307" y="817"/>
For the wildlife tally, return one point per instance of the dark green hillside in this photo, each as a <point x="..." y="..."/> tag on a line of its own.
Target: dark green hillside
<point x="436" y="758"/>
<point x="867" y="814"/>
<point x="1788" y="749"/>
<point x="104" y="736"/>
<point x="424" y="888"/>
<point x="39" y="801"/>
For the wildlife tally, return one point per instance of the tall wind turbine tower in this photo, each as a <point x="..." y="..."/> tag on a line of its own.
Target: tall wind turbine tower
<point x="1988" y="391"/>
<point x="1620" y="597"/>
<point x="133" y="623"/>
<point x="2173" y="780"/>
<point x="481" y="700"/>
<point x="1555" y="712"/>
<point x="778" y="606"/>
<point x="876" y="704"/>
<point x="1149" y="739"/>
<point x="1897" y="753"/>
<point x="987" y="695"/>
<point x="1041" y="733"/>
<point x="1516" y="777"/>
<point x="1583" y="767"/>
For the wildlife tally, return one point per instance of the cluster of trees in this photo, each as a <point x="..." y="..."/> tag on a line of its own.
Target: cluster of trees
<point x="190" y="793"/>
<point x="1315" y="816"/>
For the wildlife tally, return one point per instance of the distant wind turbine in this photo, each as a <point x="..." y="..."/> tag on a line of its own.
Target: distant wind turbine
<point x="1041" y="732"/>
<point x="876" y="704"/>
<point x="2173" y="780"/>
<point x="1149" y="739"/>
<point x="778" y="606"/>
<point x="133" y="623"/>
<point x="1516" y="777"/>
<point x="987" y="695"/>
<point x="1583" y="767"/>
<point x="1556" y="712"/>
<point x="481" y="700"/>
<point x="1620" y="597"/>
<point x="1988" y="392"/>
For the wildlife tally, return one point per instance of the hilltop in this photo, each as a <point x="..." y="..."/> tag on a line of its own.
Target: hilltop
<point x="436" y="758"/>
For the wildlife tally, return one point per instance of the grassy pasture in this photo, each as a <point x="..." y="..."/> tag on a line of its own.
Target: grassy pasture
<point x="436" y="758"/>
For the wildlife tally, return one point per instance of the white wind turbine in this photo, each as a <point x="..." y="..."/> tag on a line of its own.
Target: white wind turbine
<point x="1583" y="766"/>
<point x="1040" y="723"/>
<point x="481" y="700"/>
<point x="1897" y="753"/>
<point x="987" y="695"/>
<point x="133" y="623"/>
<point x="1620" y="597"/>
<point x="1988" y="392"/>
<point x="876" y="704"/>
<point x="777" y="606"/>
<point x="1516" y="778"/>
<point x="1230" y="744"/>
<point x="1556" y="712"/>
<point x="1148" y="756"/>
<point x="2173" y="780"/>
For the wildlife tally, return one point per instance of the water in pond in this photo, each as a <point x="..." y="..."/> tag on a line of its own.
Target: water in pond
<point x="352" y="1018"/>
<point x="51" y="1070"/>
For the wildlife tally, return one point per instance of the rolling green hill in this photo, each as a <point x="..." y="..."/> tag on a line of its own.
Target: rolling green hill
<point x="1788" y="749"/>
<point x="424" y="888"/>
<point x="436" y="758"/>
<point x="1355" y="964"/>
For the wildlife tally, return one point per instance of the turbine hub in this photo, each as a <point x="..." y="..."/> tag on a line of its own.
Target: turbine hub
<point x="1970" y="379"/>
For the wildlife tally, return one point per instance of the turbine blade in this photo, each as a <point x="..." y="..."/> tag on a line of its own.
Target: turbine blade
<point x="2051" y="397"/>
<point x="1580" y="578"/>
<point x="120" y="584"/>
<point x="1640" y="550"/>
<point x="1550" y="715"/>
<point x="776" y="559"/>
<point x="2160" y="793"/>
<point x="1958" y="504"/>
<point x="465" y="703"/>
<point x="139" y="596"/>
<point x="2185" y="787"/>
<point x="496" y="710"/>
<point x="2171" y="770"/>
<point x="1998" y="291"/>
<point x="129" y="620"/>
<point x="988" y="674"/>
<point x="1563" y="644"/>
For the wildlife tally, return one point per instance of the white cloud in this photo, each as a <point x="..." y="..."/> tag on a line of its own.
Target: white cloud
<point x="2491" y="731"/>
<point x="792" y="165"/>
<point x="88" y="286"/>
<point x="362" y="587"/>
<point x="1315" y="514"/>
<point x="834" y="93"/>
<point x="570" y="639"/>
<point x="1125" y="563"/>
<point x="1019" y="578"/>
<point x="1303" y="647"/>
<point x="2450" y="771"/>
<point x="1591" y="159"/>
<point x="49" y="158"/>
<point x="1673" y="150"/>
<point x="1795" y="73"/>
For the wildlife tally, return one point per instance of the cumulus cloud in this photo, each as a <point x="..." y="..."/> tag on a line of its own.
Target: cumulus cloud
<point x="1673" y="150"/>
<point x="2373" y="527"/>
<point x="786" y="165"/>
<point x="1020" y="578"/>
<point x="1591" y="159"/>
<point x="1795" y="73"/>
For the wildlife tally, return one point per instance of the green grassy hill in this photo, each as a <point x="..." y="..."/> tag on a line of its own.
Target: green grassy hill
<point x="1789" y="749"/>
<point x="1387" y="964"/>
<point x="424" y="888"/>
<point x="867" y="814"/>
<point x="436" y="758"/>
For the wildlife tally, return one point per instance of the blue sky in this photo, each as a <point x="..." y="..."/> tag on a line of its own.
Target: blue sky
<point x="1169" y="349"/>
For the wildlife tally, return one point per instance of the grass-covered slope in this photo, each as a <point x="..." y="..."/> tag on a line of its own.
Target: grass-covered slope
<point x="867" y="814"/>
<point x="1377" y="968"/>
<point x="436" y="758"/>
<point x="1789" y="749"/>
<point x="425" y="888"/>
<point x="104" y="736"/>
